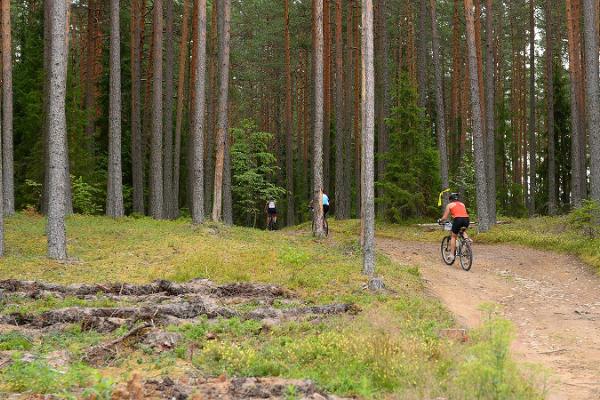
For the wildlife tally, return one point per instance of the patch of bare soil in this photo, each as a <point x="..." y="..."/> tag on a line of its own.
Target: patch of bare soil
<point x="553" y="301"/>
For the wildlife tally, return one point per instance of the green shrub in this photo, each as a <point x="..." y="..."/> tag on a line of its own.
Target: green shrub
<point x="586" y="218"/>
<point x="14" y="341"/>
<point x="87" y="199"/>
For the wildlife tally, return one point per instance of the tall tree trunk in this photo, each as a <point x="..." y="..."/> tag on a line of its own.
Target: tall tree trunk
<point x="57" y="130"/>
<point x="156" y="161"/>
<point x="368" y="135"/>
<point x="114" y="195"/>
<point x="222" y="125"/>
<point x="577" y="171"/>
<point x="422" y="54"/>
<point x="209" y="175"/>
<point x="357" y="104"/>
<point x="552" y="191"/>
<point x="592" y="95"/>
<point x="289" y="143"/>
<point x="318" y="120"/>
<point x="198" y="114"/>
<point x="381" y="92"/>
<point x="92" y="71"/>
<point x="137" y="161"/>
<point x="476" y="117"/>
<point x="326" y="94"/>
<point x="532" y="128"/>
<point x="183" y="57"/>
<point x="439" y="99"/>
<point x="490" y="80"/>
<point x="169" y="206"/>
<point x="348" y="120"/>
<point x="7" y="112"/>
<point x="340" y="126"/>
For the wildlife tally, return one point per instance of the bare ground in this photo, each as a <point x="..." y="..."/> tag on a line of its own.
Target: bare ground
<point x="553" y="301"/>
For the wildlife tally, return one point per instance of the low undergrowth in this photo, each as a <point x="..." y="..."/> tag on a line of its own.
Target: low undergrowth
<point x="391" y="347"/>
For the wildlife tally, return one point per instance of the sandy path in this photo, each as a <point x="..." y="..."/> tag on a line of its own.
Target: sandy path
<point x="553" y="301"/>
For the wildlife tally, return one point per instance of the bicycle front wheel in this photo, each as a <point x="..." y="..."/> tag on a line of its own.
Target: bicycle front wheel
<point x="447" y="255"/>
<point x="466" y="256"/>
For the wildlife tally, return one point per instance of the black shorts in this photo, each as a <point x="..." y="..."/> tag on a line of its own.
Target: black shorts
<point x="325" y="209"/>
<point x="458" y="224"/>
<point x="272" y="211"/>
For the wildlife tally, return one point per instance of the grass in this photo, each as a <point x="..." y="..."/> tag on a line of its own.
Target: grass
<point x="391" y="348"/>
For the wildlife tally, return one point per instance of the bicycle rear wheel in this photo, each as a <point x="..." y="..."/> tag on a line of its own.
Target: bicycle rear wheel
<point x="466" y="255"/>
<point x="446" y="254"/>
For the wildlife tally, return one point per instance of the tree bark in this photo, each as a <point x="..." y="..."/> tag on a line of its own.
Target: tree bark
<point x="114" y="195"/>
<point x="137" y="163"/>
<point x="552" y="192"/>
<point x="490" y="80"/>
<point x="381" y="91"/>
<point x="326" y="94"/>
<point x="198" y="114"/>
<point x="476" y="117"/>
<point x="318" y="120"/>
<point x="183" y="56"/>
<point x="57" y="130"/>
<point x="577" y="170"/>
<point x="289" y="143"/>
<point x="169" y="207"/>
<point x="532" y="125"/>
<point x="209" y="175"/>
<point x="222" y="125"/>
<point x="422" y="54"/>
<point x="348" y="120"/>
<point x="592" y="95"/>
<point x="368" y="135"/>
<point x="340" y="123"/>
<point x="7" y="112"/>
<point x="156" y="147"/>
<point x="439" y="99"/>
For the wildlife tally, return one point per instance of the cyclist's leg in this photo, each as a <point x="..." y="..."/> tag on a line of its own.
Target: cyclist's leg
<point x="453" y="244"/>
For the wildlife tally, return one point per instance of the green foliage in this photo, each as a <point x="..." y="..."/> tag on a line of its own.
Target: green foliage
<point x="32" y="194"/>
<point x="253" y="170"/>
<point x="87" y="199"/>
<point x="586" y="219"/>
<point x="14" y="341"/>
<point x="464" y="180"/>
<point x="411" y="180"/>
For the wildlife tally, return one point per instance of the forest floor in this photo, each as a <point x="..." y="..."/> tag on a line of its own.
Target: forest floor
<point x="150" y="309"/>
<point x="553" y="301"/>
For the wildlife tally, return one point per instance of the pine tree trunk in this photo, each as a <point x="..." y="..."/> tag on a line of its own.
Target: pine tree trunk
<point x="552" y="192"/>
<point x="198" y="115"/>
<point x="318" y="120"/>
<point x="422" y="54"/>
<point x="91" y="70"/>
<point x="340" y="126"/>
<point x="156" y="146"/>
<point x="183" y="57"/>
<point x="439" y="99"/>
<point x="348" y="120"/>
<point x="137" y="163"/>
<point x="46" y="88"/>
<point x="289" y="157"/>
<point x="57" y="130"/>
<point x="577" y="191"/>
<point x="592" y="95"/>
<point x="326" y="94"/>
<point x="222" y="125"/>
<point x="169" y="207"/>
<point x="368" y="135"/>
<point x="476" y="117"/>
<point x="7" y="112"/>
<point x="209" y="175"/>
<point x="114" y="195"/>
<point x="532" y="101"/>
<point x="357" y="104"/>
<point x="490" y="68"/>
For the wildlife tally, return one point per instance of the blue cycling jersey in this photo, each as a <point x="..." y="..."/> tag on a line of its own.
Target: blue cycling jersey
<point x="325" y="200"/>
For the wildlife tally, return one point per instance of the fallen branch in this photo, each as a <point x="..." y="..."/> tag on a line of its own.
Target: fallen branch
<point x="106" y="351"/>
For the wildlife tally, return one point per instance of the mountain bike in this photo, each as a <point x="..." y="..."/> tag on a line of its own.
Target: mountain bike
<point x="272" y="225"/>
<point x="325" y="224"/>
<point x="464" y="251"/>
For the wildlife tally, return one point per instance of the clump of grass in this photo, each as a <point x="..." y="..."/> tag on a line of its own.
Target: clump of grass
<point x="14" y="341"/>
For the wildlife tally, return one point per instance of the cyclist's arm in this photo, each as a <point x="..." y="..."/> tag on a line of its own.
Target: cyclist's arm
<point x="446" y="213"/>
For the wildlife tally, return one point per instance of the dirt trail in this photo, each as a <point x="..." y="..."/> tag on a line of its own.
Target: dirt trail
<point x="553" y="301"/>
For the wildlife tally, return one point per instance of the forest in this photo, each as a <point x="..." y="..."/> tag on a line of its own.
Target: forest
<point x="138" y="135"/>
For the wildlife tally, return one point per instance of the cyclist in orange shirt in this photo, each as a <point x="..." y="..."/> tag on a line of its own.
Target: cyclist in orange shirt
<point x="460" y="219"/>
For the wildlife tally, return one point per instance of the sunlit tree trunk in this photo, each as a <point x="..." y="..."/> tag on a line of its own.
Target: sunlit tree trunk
<point x="169" y="207"/>
<point x="156" y="146"/>
<point x="137" y="164"/>
<point x="476" y="117"/>
<point x="114" y="195"/>
<point x="57" y="130"/>
<point x="7" y="112"/>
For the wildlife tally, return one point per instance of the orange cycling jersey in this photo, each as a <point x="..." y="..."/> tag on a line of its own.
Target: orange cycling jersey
<point x="458" y="210"/>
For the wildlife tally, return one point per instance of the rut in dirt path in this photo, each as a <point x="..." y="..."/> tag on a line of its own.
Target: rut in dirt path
<point x="553" y="300"/>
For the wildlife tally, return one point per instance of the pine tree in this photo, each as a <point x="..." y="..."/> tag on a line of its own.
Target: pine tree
<point x="7" y="112"/>
<point x="156" y="146"/>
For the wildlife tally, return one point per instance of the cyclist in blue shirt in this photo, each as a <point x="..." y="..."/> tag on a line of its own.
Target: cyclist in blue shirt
<point x="325" y="204"/>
